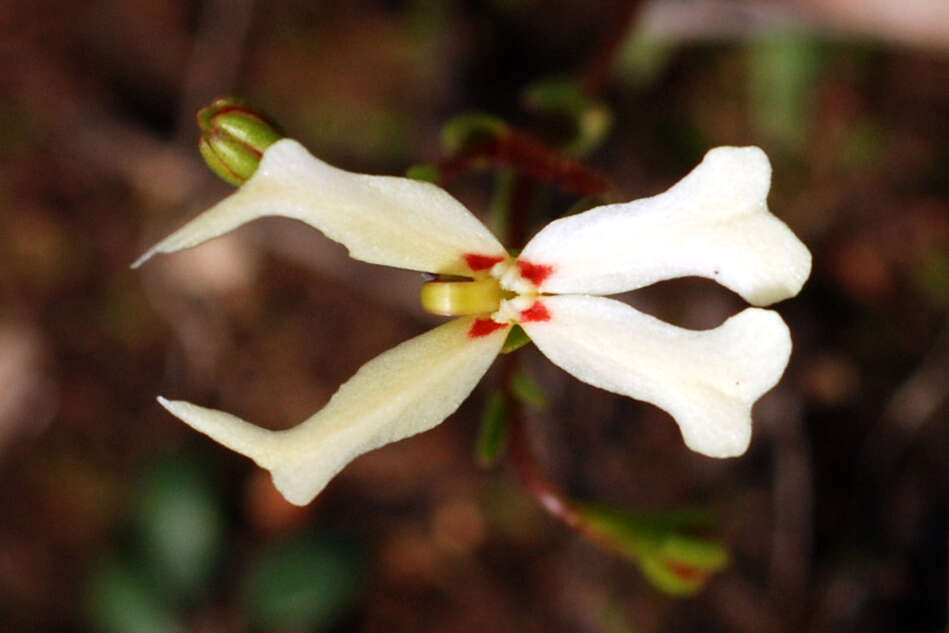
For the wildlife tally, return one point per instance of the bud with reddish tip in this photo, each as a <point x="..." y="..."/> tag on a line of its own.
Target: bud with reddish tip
<point x="233" y="138"/>
<point x="666" y="546"/>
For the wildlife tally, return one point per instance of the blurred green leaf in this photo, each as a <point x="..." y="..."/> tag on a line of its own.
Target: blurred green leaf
<point x="784" y="69"/>
<point x="120" y="601"/>
<point x="528" y="391"/>
<point x="178" y="525"/>
<point x="593" y="127"/>
<point x="560" y="95"/>
<point x="467" y="130"/>
<point x="306" y="583"/>
<point x="492" y="436"/>
<point x="643" y="58"/>
<point x="425" y="173"/>
<point x="673" y="560"/>
<point x="588" y="121"/>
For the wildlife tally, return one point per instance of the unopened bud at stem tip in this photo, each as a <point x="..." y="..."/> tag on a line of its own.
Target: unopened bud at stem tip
<point x="234" y="136"/>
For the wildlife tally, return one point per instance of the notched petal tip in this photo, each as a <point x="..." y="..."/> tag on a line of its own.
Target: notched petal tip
<point x="744" y="358"/>
<point x="707" y="380"/>
<point x="713" y="223"/>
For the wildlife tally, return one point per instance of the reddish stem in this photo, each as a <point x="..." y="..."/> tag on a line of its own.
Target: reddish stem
<point x="540" y="486"/>
<point x="530" y="157"/>
<point x="524" y="461"/>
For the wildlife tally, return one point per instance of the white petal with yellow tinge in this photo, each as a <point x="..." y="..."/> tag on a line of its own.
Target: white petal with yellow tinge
<point x="707" y="380"/>
<point x="381" y="219"/>
<point x="406" y="390"/>
<point x="713" y="223"/>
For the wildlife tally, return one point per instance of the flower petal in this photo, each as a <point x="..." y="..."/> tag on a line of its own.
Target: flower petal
<point x="714" y="223"/>
<point x="707" y="380"/>
<point x="404" y="391"/>
<point x="380" y="219"/>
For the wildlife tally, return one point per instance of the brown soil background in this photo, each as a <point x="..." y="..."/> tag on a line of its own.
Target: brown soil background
<point x="837" y="516"/>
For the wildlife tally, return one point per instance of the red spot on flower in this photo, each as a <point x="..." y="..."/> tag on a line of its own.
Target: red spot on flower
<point x="537" y="312"/>
<point x="535" y="273"/>
<point x="483" y="327"/>
<point x="481" y="262"/>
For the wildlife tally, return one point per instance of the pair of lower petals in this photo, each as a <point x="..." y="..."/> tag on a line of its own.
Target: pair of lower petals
<point x="714" y="223"/>
<point x="707" y="380"/>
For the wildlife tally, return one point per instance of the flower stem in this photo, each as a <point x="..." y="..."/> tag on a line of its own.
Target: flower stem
<point x="522" y="456"/>
<point x="529" y="472"/>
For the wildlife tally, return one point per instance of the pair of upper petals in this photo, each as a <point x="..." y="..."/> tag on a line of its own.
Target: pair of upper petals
<point x="714" y="223"/>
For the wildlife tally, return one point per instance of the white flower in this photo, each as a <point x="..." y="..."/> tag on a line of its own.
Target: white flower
<point x="714" y="223"/>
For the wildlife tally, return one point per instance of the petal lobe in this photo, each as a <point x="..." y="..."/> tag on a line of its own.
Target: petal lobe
<point x="707" y="380"/>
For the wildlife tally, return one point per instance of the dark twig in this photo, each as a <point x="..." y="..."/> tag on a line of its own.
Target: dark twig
<point x="598" y="69"/>
<point x="214" y="65"/>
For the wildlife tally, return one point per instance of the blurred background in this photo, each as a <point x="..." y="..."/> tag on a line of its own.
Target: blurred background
<point x="116" y="517"/>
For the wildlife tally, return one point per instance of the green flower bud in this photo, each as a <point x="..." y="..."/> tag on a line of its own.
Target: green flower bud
<point x="670" y="556"/>
<point x="233" y="138"/>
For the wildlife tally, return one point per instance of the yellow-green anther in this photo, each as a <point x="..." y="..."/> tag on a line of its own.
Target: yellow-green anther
<point x="233" y="138"/>
<point x="461" y="298"/>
